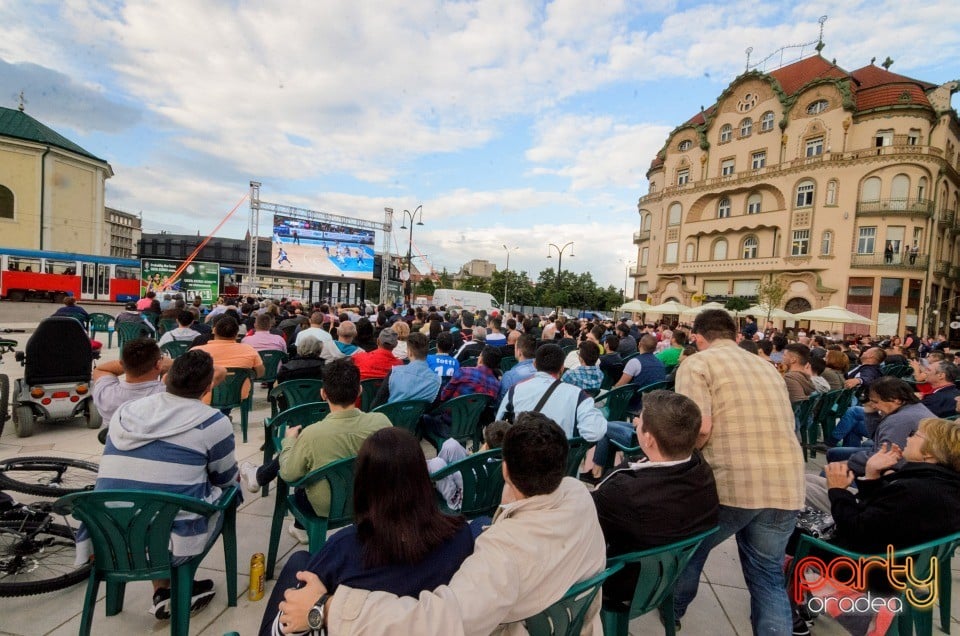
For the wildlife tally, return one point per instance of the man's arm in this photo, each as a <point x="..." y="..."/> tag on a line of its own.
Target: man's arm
<point x="590" y="421"/>
<point x="111" y="367"/>
<point x="692" y="381"/>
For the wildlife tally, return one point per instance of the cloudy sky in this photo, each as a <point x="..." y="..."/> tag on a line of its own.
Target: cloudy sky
<point x="511" y="121"/>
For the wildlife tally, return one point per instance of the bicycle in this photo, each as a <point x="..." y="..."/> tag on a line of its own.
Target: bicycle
<point x="6" y="346"/>
<point x="47" y="476"/>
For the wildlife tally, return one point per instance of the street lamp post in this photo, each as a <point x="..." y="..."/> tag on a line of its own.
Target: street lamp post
<point x="626" y="271"/>
<point x="560" y="251"/>
<point x="506" y="275"/>
<point x="408" y="286"/>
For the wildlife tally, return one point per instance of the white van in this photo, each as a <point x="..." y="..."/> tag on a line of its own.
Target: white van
<point x="471" y="300"/>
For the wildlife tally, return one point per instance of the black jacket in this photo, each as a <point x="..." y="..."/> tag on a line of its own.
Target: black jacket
<point x="942" y="403"/>
<point x="650" y="507"/>
<point x="297" y="368"/>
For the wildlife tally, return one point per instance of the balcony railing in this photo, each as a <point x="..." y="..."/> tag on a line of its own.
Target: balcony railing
<point x="945" y="217"/>
<point x="638" y="271"/>
<point x="955" y="272"/>
<point x="942" y="268"/>
<point x="896" y="261"/>
<point x="642" y="235"/>
<point x="895" y="207"/>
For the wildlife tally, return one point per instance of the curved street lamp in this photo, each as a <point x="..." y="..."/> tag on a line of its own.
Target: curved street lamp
<point x="506" y="274"/>
<point x="408" y="285"/>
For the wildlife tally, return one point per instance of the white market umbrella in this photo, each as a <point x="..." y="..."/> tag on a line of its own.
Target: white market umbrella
<point x="833" y="313"/>
<point x="634" y="306"/>
<point x="761" y="312"/>
<point x="671" y="307"/>
<point x="695" y="311"/>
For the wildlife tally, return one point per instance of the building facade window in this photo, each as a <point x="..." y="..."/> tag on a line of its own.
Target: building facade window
<point x="690" y="253"/>
<point x="723" y="208"/>
<point x="673" y="216"/>
<point x="815" y="147"/>
<point x="831" y="192"/>
<point x="746" y="127"/>
<point x="754" y="203"/>
<point x="805" y="191"/>
<point x="758" y="159"/>
<point x="644" y="256"/>
<point x="685" y="145"/>
<point x="720" y="250"/>
<point x="726" y="133"/>
<point x="670" y="253"/>
<point x="870" y="189"/>
<point x="883" y="138"/>
<point x="867" y="240"/>
<point x="922" y="188"/>
<point x="801" y="243"/>
<point x="6" y="202"/>
<point x="750" y="247"/>
<point x="826" y="243"/>
<point x="817" y="107"/>
<point x="727" y="167"/>
<point x="913" y="137"/>
<point x="766" y="121"/>
<point x="683" y="176"/>
<point x="647" y="222"/>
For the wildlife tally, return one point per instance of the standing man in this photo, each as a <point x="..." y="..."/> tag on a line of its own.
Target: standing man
<point x="744" y="405"/>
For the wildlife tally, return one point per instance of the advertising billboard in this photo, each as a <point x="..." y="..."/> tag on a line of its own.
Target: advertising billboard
<point x="199" y="278"/>
<point x="326" y="249"/>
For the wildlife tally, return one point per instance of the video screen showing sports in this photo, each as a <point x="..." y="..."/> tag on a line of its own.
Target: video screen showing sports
<point x="316" y="247"/>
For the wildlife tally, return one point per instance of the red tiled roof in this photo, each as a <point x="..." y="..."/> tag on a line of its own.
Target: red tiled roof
<point x="656" y="163"/>
<point x="699" y="119"/>
<point x="793" y="77"/>
<point x="891" y="95"/>
<point x="870" y="76"/>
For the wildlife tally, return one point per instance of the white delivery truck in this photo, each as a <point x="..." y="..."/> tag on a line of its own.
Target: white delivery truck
<point x="471" y="300"/>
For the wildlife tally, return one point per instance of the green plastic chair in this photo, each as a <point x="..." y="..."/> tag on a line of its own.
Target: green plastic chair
<point x="832" y="406"/>
<point x="275" y="427"/>
<point x="176" y="348"/>
<point x="616" y="403"/>
<point x="339" y="475"/>
<point x="630" y="357"/>
<point x="611" y="375"/>
<point x="470" y="362"/>
<point x="566" y="616"/>
<point x="154" y="318"/>
<point x="465" y="412"/>
<point x="271" y="365"/>
<point x="130" y="531"/>
<point x="659" y="569"/>
<point x="803" y="419"/>
<point x="576" y="453"/>
<point x="911" y="619"/>
<point x="568" y="349"/>
<point x="482" y="477"/>
<point x="291" y="393"/>
<point x="227" y="395"/>
<point x="100" y="323"/>
<point x="507" y="363"/>
<point x="167" y="324"/>
<point x="131" y="331"/>
<point x="368" y="392"/>
<point x="404" y="414"/>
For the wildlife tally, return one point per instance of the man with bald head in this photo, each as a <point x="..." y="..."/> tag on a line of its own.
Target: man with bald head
<point x="343" y="346"/>
<point x="852" y="426"/>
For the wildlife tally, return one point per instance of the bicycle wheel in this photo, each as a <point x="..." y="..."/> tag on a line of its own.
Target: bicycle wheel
<point x="47" y="476"/>
<point x="37" y="557"/>
<point x="4" y="400"/>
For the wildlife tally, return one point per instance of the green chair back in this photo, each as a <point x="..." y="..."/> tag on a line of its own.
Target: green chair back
<point x="568" y="349"/>
<point x="803" y="419"/>
<point x="131" y="331"/>
<point x="654" y="386"/>
<point x="339" y="476"/>
<point x="830" y="408"/>
<point x="100" y="323"/>
<point x="576" y="453"/>
<point x="465" y="412"/>
<point x="911" y="619"/>
<point x="901" y="371"/>
<point x="482" y="477"/>
<point x="153" y="317"/>
<point x="566" y="616"/>
<point x="130" y="532"/>
<point x="271" y="364"/>
<point x="658" y="569"/>
<point x="404" y="414"/>
<point x="368" y="392"/>
<point x="176" y="348"/>
<point x="167" y="324"/>
<point x="275" y="427"/>
<point x="630" y="357"/>
<point x="611" y="374"/>
<point x="470" y="362"/>
<point x="294" y="393"/>
<point x="616" y="403"/>
<point x="229" y="395"/>
<point x="507" y="363"/>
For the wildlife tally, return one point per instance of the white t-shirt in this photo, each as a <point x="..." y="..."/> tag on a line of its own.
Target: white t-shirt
<point x="109" y="392"/>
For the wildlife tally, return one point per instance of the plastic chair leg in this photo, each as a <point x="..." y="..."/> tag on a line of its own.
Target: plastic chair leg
<point x="615" y="623"/>
<point x="115" y="592"/>
<point x="89" y="604"/>
<point x="181" y="589"/>
<point x="276" y="525"/>
<point x="666" y="609"/>
<point x="945" y="587"/>
<point x="229" y="537"/>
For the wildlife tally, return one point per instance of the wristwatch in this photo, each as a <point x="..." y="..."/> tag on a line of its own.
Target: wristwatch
<point x="315" y="617"/>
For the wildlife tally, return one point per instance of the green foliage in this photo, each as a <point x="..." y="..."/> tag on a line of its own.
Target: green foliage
<point x="425" y="287"/>
<point x="770" y="294"/>
<point x="736" y="303"/>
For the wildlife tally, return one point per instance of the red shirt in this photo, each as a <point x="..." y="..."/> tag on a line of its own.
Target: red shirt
<point x="376" y="363"/>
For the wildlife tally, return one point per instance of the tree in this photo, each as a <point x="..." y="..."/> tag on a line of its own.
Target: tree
<point x="736" y="304"/>
<point x="425" y="287"/>
<point x="446" y="281"/>
<point x="770" y="294"/>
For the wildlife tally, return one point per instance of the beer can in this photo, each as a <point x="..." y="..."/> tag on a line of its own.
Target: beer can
<point x="257" y="576"/>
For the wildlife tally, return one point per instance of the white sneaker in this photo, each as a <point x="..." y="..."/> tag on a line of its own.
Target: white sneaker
<point x="300" y="534"/>
<point x="248" y="476"/>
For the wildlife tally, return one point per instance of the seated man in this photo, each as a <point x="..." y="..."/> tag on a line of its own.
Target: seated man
<point x="262" y="339"/>
<point x="544" y="538"/>
<point x="669" y="496"/>
<point x="376" y="364"/>
<point x="587" y="375"/>
<point x="473" y="347"/>
<point x="183" y="332"/>
<point x="441" y="362"/>
<point x="71" y="309"/>
<point x="227" y="352"/>
<point x="172" y="442"/>
<point x="643" y="370"/>
<point x="340" y="435"/>
<point x="412" y="381"/>
<point x="942" y="377"/>
<point x="343" y="346"/>
<point x="525" y="349"/>
<point x="795" y="359"/>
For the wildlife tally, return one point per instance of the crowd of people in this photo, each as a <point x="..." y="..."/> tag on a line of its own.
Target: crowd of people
<point x="718" y="450"/>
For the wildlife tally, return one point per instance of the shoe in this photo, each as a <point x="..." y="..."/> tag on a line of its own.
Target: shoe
<point x="248" y="476"/>
<point x="587" y="477"/>
<point x="800" y="627"/>
<point x="102" y="435"/>
<point x="300" y="534"/>
<point x="200" y="596"/>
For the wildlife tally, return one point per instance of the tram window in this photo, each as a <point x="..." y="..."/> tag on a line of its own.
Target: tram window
<point x="127" y="272"/>
<point x="16" y="263"/>
<point x="61" y="267"/>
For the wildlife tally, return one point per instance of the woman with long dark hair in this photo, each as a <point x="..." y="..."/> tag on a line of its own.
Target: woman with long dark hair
<point x="400" y="541"/>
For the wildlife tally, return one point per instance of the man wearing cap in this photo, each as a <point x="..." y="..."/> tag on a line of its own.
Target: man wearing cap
<point x="315" y="330"/>
<point x="377" y="363"/>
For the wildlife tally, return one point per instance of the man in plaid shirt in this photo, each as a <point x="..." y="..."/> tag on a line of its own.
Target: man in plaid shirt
<point x="588" y="375"/>
<point x="480" y="379"/>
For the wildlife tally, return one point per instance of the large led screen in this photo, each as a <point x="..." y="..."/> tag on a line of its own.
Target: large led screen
<point x="315" y="247"/>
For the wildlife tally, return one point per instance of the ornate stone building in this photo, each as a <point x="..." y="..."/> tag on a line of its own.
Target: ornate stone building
<point x="845" y="184"/>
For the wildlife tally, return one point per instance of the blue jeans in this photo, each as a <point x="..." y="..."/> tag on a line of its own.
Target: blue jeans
<point x="762" y="537"/>
<point x="620" y="432"/>
<point x="843" y="453"/>
<point x="851" y="428"/>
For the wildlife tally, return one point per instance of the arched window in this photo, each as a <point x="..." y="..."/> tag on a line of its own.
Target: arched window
<point x="723" y="208"/>
<point x="647" y="222"/>
<point x="720" y="250"/>
<point x="922" y="188"/>
<point x="805" y="191"/>
<point x="726" y="133"/>
<point x="766" y="121"/>
<point x="6" y="202"/>
<point x="754" y="203"/>
<point x="685" y="145"/>
<point x="870" y="189"/>
<point x="817" y="107"/>
<point x="746" y="127"/>
<point x="826" y="243"/>
<point x="673" y="218"/>
<point x="689" y="254"/>
<point x="750" y="247"/>
<point x="831" y="192"/>
<point x="899" y="192"/>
